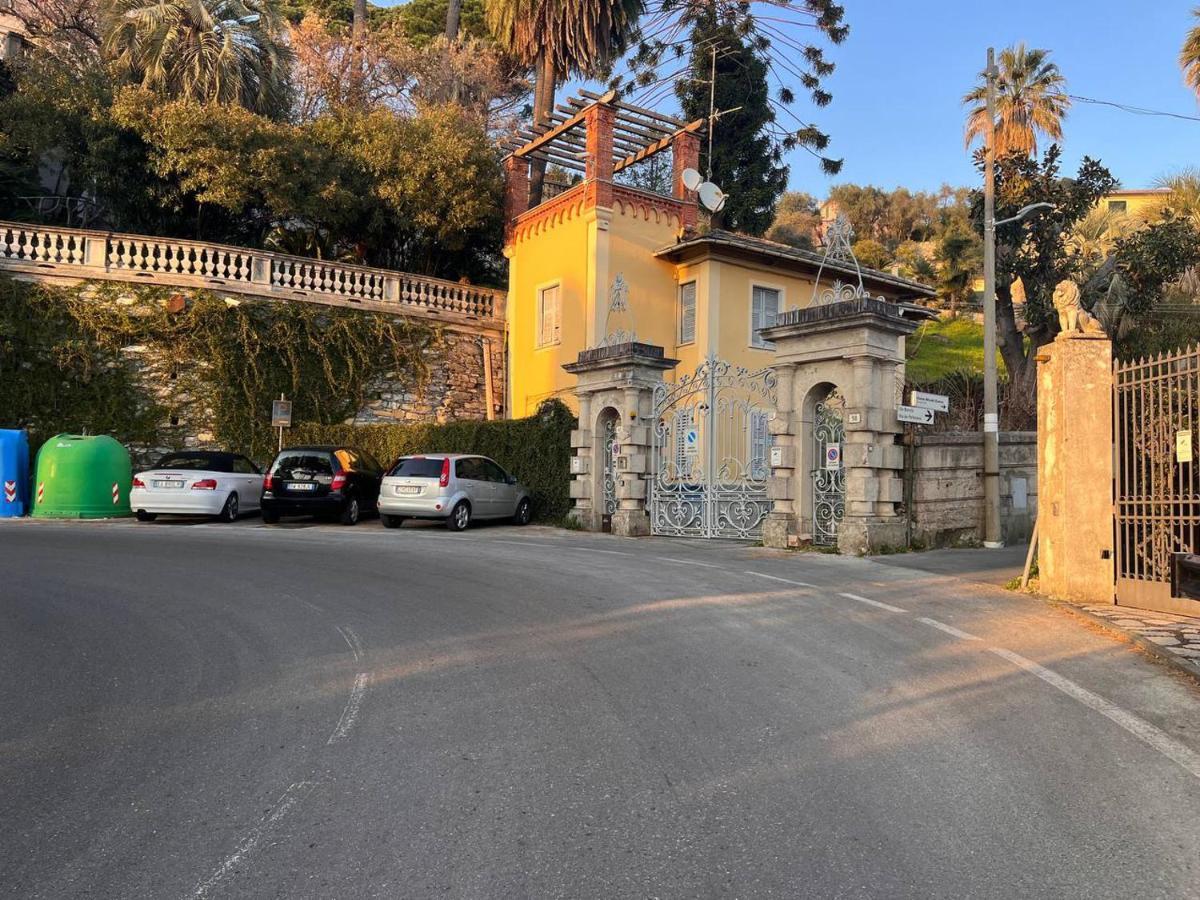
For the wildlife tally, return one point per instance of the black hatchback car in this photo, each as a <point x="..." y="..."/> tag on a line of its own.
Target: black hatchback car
<point x="332" y="482"/>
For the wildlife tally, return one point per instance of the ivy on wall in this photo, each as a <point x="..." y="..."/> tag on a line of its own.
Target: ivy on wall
<point x="536" y="449"/>
<point x="150" y="365"/>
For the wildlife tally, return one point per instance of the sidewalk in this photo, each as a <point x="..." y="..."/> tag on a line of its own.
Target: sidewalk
<point x="1172" y="639"/>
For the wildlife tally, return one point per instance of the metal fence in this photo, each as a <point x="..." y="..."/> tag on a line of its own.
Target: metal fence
<point x="1156" y="411"/>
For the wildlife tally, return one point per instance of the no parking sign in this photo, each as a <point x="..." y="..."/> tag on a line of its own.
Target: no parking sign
<point x="833" y="456"/>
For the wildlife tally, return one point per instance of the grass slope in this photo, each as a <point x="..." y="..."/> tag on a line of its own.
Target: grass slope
<point x="944" y="346"/>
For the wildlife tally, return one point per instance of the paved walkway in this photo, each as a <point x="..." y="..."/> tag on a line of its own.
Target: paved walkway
<point x="1177" y="635"/>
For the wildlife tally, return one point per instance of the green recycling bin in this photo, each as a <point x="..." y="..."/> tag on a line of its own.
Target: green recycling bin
<point x="82" y="477"/>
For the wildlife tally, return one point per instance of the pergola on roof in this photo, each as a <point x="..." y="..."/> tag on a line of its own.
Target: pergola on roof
<point x="638" y="133"/>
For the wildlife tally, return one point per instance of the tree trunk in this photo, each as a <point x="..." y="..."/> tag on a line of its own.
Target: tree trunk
<point x="360" y="19"/>
<point x="543" y="106"/>
<point x="358" y="34"/>
<point x="453" y="13"/>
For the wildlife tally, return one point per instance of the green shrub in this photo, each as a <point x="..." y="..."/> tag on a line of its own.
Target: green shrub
<point x="536" y="449"/>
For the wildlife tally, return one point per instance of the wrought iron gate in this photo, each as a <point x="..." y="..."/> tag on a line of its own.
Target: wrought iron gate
<point x="828" y="474"/>
<point x="609" y="475"/>
<point x="710" y="450"/>
<point x="1156" y="410"/>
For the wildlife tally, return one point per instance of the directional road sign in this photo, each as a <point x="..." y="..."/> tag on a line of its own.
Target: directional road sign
<point x="915" y="415"/>
<point x="936" y="402"/>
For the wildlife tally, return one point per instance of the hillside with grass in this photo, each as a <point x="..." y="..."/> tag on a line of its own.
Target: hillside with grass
<point x="943" y="346"/>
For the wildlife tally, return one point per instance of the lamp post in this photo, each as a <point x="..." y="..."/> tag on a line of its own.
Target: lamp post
<point x="991" y="415"/>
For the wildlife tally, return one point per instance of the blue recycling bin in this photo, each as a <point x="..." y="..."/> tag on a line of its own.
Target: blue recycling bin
<point x="14" y="473"/>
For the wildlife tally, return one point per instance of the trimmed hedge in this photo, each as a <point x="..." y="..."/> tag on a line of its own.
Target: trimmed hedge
<point x="536" y="449"/>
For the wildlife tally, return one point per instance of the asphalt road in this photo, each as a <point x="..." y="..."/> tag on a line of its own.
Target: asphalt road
<point x="243" y="711"/>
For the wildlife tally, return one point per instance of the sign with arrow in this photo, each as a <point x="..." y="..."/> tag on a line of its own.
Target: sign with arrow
<point x="936" y="402"/>
<point x="915" y="415"/>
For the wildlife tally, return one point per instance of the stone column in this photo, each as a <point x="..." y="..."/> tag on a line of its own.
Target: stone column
<point x="1075" y="469"/>
<point x="858" y="346"/>
<point x="620" y="378"/>
<point x="780" y="528"/>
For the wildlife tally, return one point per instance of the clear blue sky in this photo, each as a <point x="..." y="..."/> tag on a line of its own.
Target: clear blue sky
<point x="897" y="116"/>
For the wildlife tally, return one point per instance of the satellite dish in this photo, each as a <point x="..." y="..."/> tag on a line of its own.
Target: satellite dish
<point x="711" y="196"/>
<point x="691" y="179"/>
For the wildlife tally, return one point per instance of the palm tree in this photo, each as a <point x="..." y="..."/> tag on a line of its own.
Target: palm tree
<point x="223" y="51"/>
<point x="558" y="38"/>
<point x="1031" y="98"/>
<point x="1182" y="197"/>
<point x="1189" y="55"/>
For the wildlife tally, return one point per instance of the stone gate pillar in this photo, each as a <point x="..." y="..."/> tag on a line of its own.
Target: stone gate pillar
<point x="856" y="347"/>
<point x="615" y="383"/>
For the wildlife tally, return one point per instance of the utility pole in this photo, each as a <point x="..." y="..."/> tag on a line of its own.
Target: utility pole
<point x="991" y="416"/>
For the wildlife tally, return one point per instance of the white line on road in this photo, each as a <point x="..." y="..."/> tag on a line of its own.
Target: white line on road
<point x="784" y="580"/>
<point x="949" y="629"/>
<point x="876" y="603"/>
<point x="1139" y="728"/>
<point x="687" y="562"/>
<point x="350" y="713"/>
<point x="351" y="640"/>
<point x="292" y="796"/>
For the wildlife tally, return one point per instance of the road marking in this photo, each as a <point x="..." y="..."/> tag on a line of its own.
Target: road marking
<point x="687" y="562"/>
<point x="351" y="640"/>
<point x="291" y="797"/>
<point x="1139" y="728"/>
<point x="350" y="713"/>
<point x="784" y="580"/>
<point x="949" y="629"/>
<point x="876" y="603"/>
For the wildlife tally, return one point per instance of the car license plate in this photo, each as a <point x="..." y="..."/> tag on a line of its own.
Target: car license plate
<point x="302" y="486"/>
<point x="164" y="483"/>
<point x="407" y="489"/>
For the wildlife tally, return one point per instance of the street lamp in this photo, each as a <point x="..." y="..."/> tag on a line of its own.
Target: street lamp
<point x="991" y="416"/>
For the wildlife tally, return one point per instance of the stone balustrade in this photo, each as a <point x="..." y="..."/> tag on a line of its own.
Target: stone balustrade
<point x="50" y="252"/>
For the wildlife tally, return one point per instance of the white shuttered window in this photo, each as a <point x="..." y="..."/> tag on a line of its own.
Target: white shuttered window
<point x="687" y="312"/>
<point x="549" y="315"/>
<point x="764" y="308"/>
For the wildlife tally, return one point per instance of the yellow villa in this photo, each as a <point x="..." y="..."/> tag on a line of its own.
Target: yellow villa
<point x="605" y="260"/>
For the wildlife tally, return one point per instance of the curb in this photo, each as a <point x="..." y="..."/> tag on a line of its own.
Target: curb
<point x="1160" y="653"/>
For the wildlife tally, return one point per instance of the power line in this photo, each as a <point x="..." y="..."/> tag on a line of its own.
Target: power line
<point x="1136" y="110"/>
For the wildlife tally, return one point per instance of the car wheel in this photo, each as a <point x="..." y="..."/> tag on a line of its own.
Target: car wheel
<point x="229" y="512"/>
<point x="351" y="512"/>
<point x="460" y="517"/>
<point x="391" y="521"/>
<point x="521" y="516"/>
<point x="270" y="516"/>
<point x="143" y="516"/>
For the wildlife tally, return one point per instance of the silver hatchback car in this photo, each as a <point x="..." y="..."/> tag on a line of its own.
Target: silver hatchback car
<point x="455" y="487"/>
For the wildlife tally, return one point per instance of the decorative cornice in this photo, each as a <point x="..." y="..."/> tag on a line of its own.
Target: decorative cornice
<point x="652" y="207"/>
<point x="562" y="208"/>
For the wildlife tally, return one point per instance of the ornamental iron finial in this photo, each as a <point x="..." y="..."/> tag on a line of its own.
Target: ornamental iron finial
<point x="839" y="250"/>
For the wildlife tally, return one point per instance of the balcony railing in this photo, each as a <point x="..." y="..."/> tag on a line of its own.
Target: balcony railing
<point x="75" y="253"/>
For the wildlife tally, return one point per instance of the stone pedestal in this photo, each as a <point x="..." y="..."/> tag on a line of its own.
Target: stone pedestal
<point x="1075" y="469"/>
<point x="856" y="347"/>
<point x="615" y="383"/>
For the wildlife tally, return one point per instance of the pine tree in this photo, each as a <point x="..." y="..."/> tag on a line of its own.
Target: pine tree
<point x="746" y="162"/>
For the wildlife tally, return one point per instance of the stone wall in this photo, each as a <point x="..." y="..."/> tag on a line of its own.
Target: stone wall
<point x="457" y="387"/>
<point x="948" y="487"/>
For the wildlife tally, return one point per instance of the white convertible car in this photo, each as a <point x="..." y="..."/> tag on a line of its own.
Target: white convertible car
<point x="197" y="483"/>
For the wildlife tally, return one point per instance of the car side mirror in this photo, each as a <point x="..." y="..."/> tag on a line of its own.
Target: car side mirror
<point x="510" y="479"/>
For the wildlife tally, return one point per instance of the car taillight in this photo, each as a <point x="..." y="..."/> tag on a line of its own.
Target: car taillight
<point x="268" y="482"/>
<point x="444" y="478"/>
<point x="137" y="482"/>
<point x="339" y="481"/>
<point x="205" y="484"/>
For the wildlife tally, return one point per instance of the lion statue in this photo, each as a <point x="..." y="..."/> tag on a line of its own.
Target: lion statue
<point x="1072" y="317"/>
